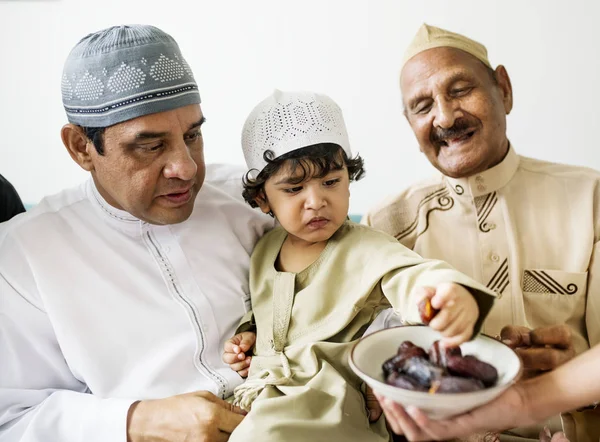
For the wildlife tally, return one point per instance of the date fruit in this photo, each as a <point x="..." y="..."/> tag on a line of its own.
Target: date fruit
<point x="456" y="384"/>
<point x="471" y="367"/>
<point x="438" y="354"/>
<point x="426" y="311"/>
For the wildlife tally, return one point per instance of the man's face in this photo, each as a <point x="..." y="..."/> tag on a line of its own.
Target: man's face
<point x="153" y="166"/>
<point x="457" y="110"/>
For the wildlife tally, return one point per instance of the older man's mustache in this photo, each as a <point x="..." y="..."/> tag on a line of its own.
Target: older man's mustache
<point x="461" y="127"/>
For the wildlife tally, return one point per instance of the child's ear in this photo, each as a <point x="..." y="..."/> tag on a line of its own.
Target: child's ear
<point x="262" y="202"/>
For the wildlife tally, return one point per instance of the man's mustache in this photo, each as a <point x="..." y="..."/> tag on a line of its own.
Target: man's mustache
<point x="461" y="127"/>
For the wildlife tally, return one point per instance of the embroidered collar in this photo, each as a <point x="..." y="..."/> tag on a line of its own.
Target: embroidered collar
<point x="116" y="218"/>
<point x="487" y="181"/>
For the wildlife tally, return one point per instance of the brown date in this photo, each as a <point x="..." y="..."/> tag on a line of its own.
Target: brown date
<point x="438" y="354"/>
<point x="406" y="351"/>
<point x="403" y="381"/>
<point x="455" y="384"/>
<point x="423" y="371"/>
<point x="426" y="311"/>
<point x="470" y="366"/>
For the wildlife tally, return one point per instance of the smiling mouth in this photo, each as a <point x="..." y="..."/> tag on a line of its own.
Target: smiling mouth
<point x="446" y="142"/>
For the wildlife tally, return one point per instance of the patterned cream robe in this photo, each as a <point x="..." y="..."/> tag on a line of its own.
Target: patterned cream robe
<point x="306" y="322"/>
<point x="527" y="229"/>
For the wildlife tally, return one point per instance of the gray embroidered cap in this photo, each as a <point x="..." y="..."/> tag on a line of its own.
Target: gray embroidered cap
<point x="125" y="72"/>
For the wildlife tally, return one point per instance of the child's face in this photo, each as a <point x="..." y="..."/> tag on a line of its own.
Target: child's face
<point x="312" y="210"/>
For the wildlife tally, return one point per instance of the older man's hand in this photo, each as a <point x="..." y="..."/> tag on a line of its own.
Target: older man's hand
<point x="541" y="349"/>
<point x="197" y="416"/>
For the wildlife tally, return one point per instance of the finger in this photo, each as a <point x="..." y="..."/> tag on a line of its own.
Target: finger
<point x="516" y="336"/>
<point x="229" y="346"/>
<point x="559" y="437"/>
<point x="541" y="358"/>
<point x="545" y="435"/>
<point x="247" y="340"/>
<point x="244" y="373"/>
<point x="458" y="339"/>
<point x="374" y="409"/>
<point x="421" y="293"/>
<point x="240" y="365"/>
<point x="558" y="335"/>
<point x="230" y="358"/>
<point x="408" y="426"/>
<point x="445" y="295"/>
<point x="229" y="418"/>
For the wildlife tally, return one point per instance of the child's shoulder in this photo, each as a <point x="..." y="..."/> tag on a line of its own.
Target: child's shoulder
<point x="363" y="235"/>
<point x="270" y="239"/>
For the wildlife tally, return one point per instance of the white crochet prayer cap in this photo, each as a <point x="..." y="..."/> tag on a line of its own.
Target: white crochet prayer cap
<point x="287" y="121"/>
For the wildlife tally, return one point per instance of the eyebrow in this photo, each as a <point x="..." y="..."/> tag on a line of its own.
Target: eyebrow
<point x="288" y="180"/>
<point x="151" y="135"/>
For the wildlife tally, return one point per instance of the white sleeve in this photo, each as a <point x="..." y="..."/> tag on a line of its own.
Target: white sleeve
<point x="40" y="399"/>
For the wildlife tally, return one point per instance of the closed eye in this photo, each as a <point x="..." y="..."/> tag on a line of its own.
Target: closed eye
<point x="460" y="92"/>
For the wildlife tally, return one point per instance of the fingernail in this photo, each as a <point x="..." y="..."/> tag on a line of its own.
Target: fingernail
<point x="547" y="432"/>
<point x="507" y="342"/>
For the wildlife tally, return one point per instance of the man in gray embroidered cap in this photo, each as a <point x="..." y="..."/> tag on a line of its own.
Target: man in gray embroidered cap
<point x="528" y="229"/>
<point x="117" y="295"/>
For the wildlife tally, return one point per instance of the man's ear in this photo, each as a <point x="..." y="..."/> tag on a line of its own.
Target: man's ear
<point x="506" y="87"/>
<point x="263" y="203"/>
<point x="78" y="144"/>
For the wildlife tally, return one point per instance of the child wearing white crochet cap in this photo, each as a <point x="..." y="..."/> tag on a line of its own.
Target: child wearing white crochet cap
<point x="319" y="280"/>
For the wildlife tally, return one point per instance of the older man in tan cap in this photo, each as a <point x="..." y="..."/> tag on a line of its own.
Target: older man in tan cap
<point x="526" y="228"/>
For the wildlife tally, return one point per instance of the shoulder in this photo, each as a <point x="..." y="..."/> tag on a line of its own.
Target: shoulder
<point x="559" y="171"/>
<point x="42" y="219"/>
<point x="398" y="214"/>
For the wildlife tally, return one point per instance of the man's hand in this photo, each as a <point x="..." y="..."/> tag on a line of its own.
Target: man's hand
<point x="236" y="352"/>
<point x="374" y="410"/>
<point x="542" y="349"/>
<point x="198" y="416"/>
<point x="547" y="436"/>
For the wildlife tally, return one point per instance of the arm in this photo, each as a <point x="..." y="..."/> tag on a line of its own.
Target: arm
<point x="40" y="399"/>
<point x="525" y="403"/>
<point x="401" y="285"/>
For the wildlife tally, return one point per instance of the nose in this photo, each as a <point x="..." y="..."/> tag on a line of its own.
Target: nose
<point x="446" y="112"/>
<point x="180" y="163"/>
<point x="315" y="198"/>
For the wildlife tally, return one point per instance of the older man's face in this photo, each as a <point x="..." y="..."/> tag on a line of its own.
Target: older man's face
<point x="457" y="110"/>
<point x="153" y="166"/>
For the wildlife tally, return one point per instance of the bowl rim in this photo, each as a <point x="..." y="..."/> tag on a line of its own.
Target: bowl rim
<point x="509" y="383"/>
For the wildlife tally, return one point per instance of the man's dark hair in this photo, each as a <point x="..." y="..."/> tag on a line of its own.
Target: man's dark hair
<point x="96" y="136"/>
<point x="314" y="161"/>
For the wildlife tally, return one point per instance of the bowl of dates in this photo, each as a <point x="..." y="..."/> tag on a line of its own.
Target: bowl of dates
<point x="409" y="366"/>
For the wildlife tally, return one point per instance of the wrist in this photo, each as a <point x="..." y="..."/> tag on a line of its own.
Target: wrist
<point x="135" y="422"/>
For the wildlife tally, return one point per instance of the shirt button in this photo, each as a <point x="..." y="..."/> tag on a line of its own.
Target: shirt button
<point x="492" y="226"/>
<point x="167" y="249"/>
<point x="481" y="188"/>
<point x="495" y="257"/>
<point x="479" y="179"/>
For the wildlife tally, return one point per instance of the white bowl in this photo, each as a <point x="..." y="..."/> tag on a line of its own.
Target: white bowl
<point x="370" y="352"/>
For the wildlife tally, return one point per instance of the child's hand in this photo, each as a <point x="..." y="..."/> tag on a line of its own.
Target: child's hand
<point x="458" y="312"/>
<point x="236" y="352"/>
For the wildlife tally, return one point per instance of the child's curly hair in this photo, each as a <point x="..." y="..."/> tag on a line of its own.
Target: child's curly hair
<point x="317" y="161"/>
